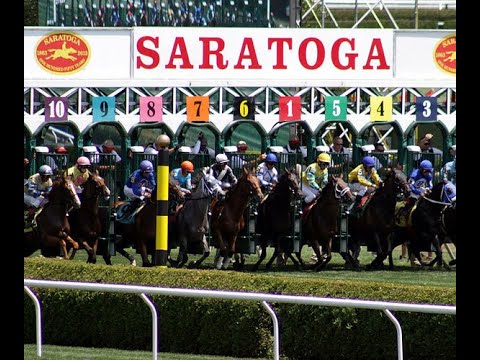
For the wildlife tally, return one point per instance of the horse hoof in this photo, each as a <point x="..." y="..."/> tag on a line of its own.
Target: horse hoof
<point x="453" y="262"/>
<point x="133" y="263"/>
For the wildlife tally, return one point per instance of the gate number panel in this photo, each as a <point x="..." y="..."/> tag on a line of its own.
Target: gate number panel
<point x="426" y="108"/>
<point x="151" y="109"/>
<point x="56" y="108"/>
<point x="198" y="108"/>
<point x="381" y="108"/>
<point x="336" y="108"/>
<point x="290" y="108"/>
<point x="103" y="108"/>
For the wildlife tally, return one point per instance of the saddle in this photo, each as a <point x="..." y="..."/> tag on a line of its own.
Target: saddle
<point x="126" y="214"/>
<point x="403" y="214"/>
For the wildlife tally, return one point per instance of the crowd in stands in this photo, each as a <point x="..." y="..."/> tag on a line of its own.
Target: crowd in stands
<point x="128" y="13"/>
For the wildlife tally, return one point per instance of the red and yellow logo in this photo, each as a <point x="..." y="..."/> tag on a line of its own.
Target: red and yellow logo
<point x="445" y="54"/>
<point x="62" y="53"/>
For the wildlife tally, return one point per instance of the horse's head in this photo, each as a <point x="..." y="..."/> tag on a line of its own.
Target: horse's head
<point x="63" y="192"/>
<point x="253" y="182"/>
<point x="290" y="179"/>
<point x="398" y="180"/>
<point x="342" y="191"/>
<point x="95" y="186"/>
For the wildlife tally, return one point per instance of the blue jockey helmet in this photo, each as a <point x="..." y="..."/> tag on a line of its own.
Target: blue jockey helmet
<point x="426" y="165"/>
<point x="146" y="165"/>
<point x="368" y="161"/>
<point x="271" y="158"/>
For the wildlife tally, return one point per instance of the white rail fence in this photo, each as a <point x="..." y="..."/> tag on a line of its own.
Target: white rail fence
<point x="264" y="298"/>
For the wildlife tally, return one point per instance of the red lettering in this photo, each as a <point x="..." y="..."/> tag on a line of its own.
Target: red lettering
<point x="248" y="47"/>
<point x="179" y="45"/>
<point x="350" y="56"/>
<point x="302" y="53"/>
<point x="147" y="52"/>
<point x="280" y="42"/>
<point x="377" y="48"/>
<point x="207" y="51"/>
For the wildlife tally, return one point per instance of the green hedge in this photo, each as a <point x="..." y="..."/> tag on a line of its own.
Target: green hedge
<point x="234" y="328"/>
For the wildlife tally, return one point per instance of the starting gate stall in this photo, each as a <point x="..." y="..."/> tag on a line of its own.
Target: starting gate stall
<point x="281" y="134"/>
<point x="58" y="162"/>
<point x="238" y="159"/>
<point x="106" y="165"/>
<point x="94" y="135"/>
<point x="339" y="163"/>
<point x="389" y="134"/>
<point x="53" y="134"/>
<point x="383" y="160"/>
<point x="325" y="134"/>
<point x="28" y="145"/>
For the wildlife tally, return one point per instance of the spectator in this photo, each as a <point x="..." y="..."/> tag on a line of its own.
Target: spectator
<point x="238" y="161"/>
<point x="425" y="144"/>
<point x="379" y="148"/>
<point x="201" y="146"/>
<point x="293" y="147"/>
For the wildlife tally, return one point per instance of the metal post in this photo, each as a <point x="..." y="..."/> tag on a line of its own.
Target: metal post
<point x="161" y="239"/>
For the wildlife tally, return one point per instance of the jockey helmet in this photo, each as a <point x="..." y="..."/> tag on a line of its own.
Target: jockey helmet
<point x="324" y="157"/>
<point x="272" y="158"/>
<point x="368" y="161"/>
<point x="83" y="161"/>
<point x="45" y="170"/>
<point x="221" y="159"/>
<point x="146" y="165"/>
<point x="187" y="166"/>
<point x="61" y="150"/>
<point x="426" y="165"/>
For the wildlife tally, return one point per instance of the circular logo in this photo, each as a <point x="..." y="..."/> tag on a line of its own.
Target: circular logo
<point x="62" y="53"/>
<point x="445" y="54"/>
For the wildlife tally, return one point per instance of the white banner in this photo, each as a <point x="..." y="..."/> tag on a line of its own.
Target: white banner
<point x="226" y="55"/>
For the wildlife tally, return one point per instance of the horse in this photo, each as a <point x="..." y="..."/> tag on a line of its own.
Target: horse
<point x="190" y="225"/>
<point x="320" y="220"/>
<point x="227" y="218"/>
<point x="424" y="223"/>
<point x="275" y="219"/>
<point x="140" y="233"/>
<point x="85" y="222"/>
<point x="375" y="222"/>
<point x="51" y="228"/>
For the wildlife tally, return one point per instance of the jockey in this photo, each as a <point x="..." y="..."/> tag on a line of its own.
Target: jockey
<point x="363" y="177"/>
<point x="315" y="177"/>
<point x="267" y="173"/>
<point x="220" y="175"/>
<point x="449" y="171"/>
<point x="420" y="183"/>
<point x="183" y="177"/>
<point x="420" y="180"/>
<point x="79" y="173"/>
<point x="37" y="187"/>
<point x="139" y="186"/>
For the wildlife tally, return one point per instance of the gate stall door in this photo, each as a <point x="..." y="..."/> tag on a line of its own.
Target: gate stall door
<point x="28" y="144"/>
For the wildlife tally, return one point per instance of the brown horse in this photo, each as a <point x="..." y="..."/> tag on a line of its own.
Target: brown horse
<point x="320" y="222"/>
<point x="275" y="219"/>
<point x="85" y="221"/>
<point x="227" y="216"/>
<point x="376" y="221"/>
<point x="51" y="229"/>
<point x="141" y="233"/>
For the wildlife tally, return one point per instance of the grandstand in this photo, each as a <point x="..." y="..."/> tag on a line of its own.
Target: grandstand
<point x="397" y="14"/>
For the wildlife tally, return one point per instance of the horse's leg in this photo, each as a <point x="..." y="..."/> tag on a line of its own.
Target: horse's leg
<point x="142" y="249"/>
<point x="63" y="246"/>
<point x="130" y="257"/>
<point x="263" y="253"/>
<point x="268" y="265"/>
<point x="92" y="257"/>
<point x="316" y="249"/>
<point x="206" y="253"/>
<point x="221" y="251"/>
<point x="230" y="251"/>
<point x="75" y="245"/>
<point x="328" y="257"/>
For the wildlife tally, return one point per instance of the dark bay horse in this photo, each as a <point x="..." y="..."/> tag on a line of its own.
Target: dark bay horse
<point x="228" y="216"/>
<point x="51" y="229"/>
<point x="85" y="222"/>
<point x="275" y="219"/>
<point x="424" y="226"/>
<point x="190" y="225"/>
<point x="141" y="233"/>
<point x="376" y="221"/>
<point x="320" y="221"/>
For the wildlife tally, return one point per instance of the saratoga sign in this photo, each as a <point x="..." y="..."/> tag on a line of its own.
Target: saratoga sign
<point x="264" y="53"/>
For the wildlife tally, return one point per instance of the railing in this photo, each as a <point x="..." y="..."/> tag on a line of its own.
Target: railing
<point x="264" y="298"/>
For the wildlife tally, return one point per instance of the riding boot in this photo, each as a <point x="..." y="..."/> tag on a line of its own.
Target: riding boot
<point x="355" y="205"/>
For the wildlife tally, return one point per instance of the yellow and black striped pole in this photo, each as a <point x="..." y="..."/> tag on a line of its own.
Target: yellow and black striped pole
<point x="161" y="238"/>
